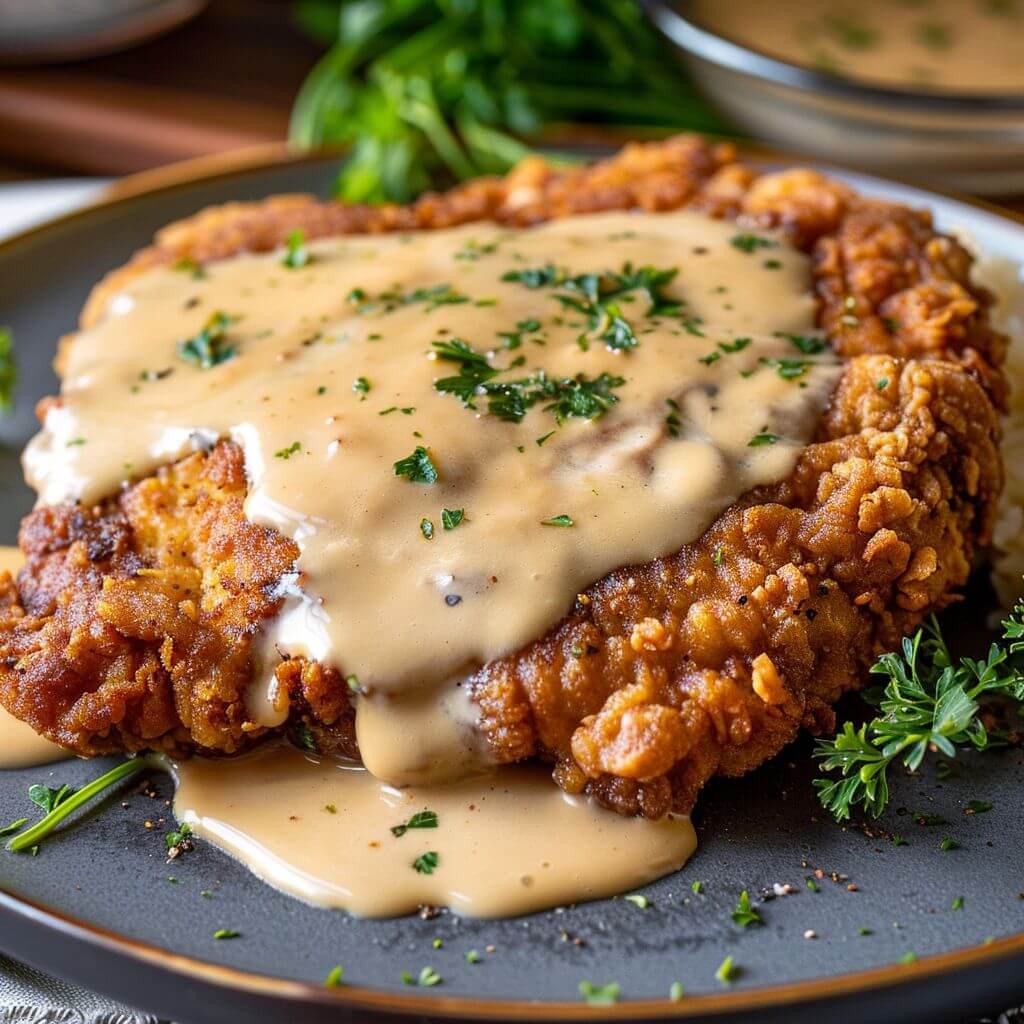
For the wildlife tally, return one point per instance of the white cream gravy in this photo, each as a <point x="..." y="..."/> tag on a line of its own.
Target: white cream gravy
<point x="403" y="614"/>
<point x="508" y="843"/>
<point x="21" y="746"/>
<point x="951" y="45"/>
<point x="330" y="382"/>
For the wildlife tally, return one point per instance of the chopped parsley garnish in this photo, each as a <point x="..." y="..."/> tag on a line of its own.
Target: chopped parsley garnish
<point x="417" y="467"/>
<point x="978" y="807"/>
<point x="361" y="386"/>
<point x="600" y="995"/>
<point x="35" y="834"/>
<point x="813" y="885"/>
<point x="226" y="933"/>
<point x="638" y="899"/>
<point x="809" y="344"/>
<point x="745" y="915"/>
<point x="934" y="34"/>
<point x="882" y="383"/>
<point x="673" y="424"/>
<point x="788" y="369"/>
<point x="696" y="886"/>
<point x="432" y="298"/>
<point x="908" y="958"/>
<point x="187" y="265"/>
<point x="427" y="529"/>
<point x="759" y="440"/>
<point x="592" y="294"/>
<point x="427" y="978"/>
<point x="929" y="701"/>
<point x="676" y="991"/>
<point x="452" y="517"/>
<point x="727" y="971"/>
<point x="8" y="369"/>
<point x="562" y="520"/>
<point x="948" y="844"/>
<point x="736" y="345"/>
<point x="848" y="32"/>
<point x="751" y="243"/>
<point x="536" y="277"/>
<point x="208" y="348"/>
<point x="297" y="255"/>
<point x="472" y="956"/>
<point x="426" y="862"/>
<point x="180" y="836"/>
<point x="302" y="737"/>
<point x="957" y="904"/>
<point x="421" y="819"/>
<point x="514" y="339"/>
<point x="334" y="976"/>
<point x="287" y="453"/>
<point x="544" y="437"/>
<point x="511" y="400"/>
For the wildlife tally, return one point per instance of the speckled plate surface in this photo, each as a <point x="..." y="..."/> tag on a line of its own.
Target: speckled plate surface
<point x="100" y="905"/>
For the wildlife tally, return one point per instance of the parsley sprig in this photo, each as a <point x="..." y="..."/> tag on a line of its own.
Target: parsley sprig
<point x="593" y="295"/>
<point x="510" y="400"/>
<point x="929" y="700"/>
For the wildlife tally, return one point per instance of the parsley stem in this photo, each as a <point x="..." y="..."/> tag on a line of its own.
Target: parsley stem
<point x="42" y="829"/>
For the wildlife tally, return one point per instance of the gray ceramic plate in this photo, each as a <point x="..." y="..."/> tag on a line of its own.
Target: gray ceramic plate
<point x="98" y="906"/>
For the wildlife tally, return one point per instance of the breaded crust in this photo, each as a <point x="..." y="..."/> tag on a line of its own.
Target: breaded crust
<point x="132" y="624"/>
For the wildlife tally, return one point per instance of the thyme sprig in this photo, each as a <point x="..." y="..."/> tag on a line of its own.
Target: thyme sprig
<point x="929" y="701"/>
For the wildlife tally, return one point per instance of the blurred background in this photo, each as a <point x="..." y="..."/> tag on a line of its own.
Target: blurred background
<point x="421" y="93"/>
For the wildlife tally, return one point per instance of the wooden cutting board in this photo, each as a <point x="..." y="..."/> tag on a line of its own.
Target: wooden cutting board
<point x="223" y="81"/>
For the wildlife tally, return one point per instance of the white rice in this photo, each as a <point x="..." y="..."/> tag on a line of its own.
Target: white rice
<point x="1003" y="278"/>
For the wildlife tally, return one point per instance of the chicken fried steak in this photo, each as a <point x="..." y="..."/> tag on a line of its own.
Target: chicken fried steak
<point x="136" y="620"/>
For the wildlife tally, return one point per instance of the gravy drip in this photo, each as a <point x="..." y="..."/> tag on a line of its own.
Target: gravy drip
<point x="508" y="843"/>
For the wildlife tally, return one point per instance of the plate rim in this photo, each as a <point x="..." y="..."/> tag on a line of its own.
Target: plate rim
<point x="180" y="175"/>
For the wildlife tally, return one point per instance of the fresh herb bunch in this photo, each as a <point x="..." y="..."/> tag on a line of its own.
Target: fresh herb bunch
<point x="432" y="91"/>
<point x="929" y="701"/>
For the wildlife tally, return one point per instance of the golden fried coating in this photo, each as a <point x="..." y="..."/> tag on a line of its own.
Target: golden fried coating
<point x="132" y="624"/>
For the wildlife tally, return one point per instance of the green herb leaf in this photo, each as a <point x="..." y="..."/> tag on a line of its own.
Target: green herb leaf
<point x="427" y="529"/>
<point x="417" y="467"/>
<point x="600" y="995"/>
<point x="428" y="978"/>
<point x="638" y="900"/>
<point x="297" y="255"/>
<point x="562" y="520"/>
<point x="334" y="976"/>
<point x="745" y="915"/>
<point x="676" y="991"/>
<point x="47" y="798"/>
<point x="472" y="957"/>
<point x="759" y="440"/>
<point x="31" y="837"/>
<point x="751" y="243"/>
<point x="928" y="701"/>
<point x="421" y="819"/>
<point x="209" y="347"/>
<point x="452" y="517"/>
<point x="8" y="369"/>
<point x="226" y="933"/>
<point x="286" y="453"/>
<point x="426" y="862"/>
<point x="727" y="971"/>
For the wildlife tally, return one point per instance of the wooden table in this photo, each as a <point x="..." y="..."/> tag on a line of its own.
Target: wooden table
<point x="223" y="81"/>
